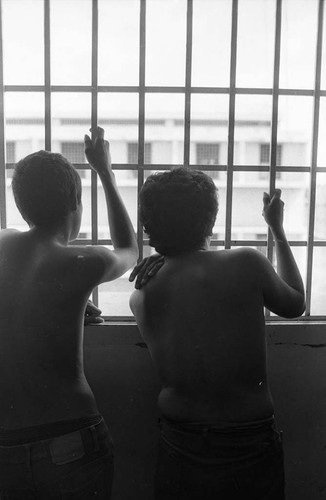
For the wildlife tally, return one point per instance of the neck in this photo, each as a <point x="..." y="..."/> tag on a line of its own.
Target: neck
<point x="59" y="234"/>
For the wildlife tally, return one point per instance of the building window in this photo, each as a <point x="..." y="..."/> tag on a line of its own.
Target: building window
<point x="10" y="155"/>
<point x="265" y="159"/>
<point x="73" y="151"/>
<point x="133" y="153"/>
<point x="208" y="154"/>
<point x="10" y="152"/>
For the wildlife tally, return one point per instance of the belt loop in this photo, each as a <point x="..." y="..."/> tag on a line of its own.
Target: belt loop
<point x="95" y="438"/>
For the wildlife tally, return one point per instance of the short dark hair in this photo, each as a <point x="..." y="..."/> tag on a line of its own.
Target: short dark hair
<point x="178" y="209"/>
<point x="46" y="188"/>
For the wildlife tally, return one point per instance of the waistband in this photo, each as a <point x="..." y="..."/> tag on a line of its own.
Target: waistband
<point x="62" y="449"/>
<point x="220" y="444"/>
<point x="14" y="437"/>
<point x="220" y="427"/>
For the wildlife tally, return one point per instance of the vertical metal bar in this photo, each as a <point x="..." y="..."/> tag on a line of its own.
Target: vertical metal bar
<point x="3" y="213"/>
<point x="314" y="151"/>
<point x="230" y="159"/>
<point x="186" y="155"/>
<point x="47" y="76"/>
<point x="141" y="117"/>
<point x="276" y="79"/>
<point x="94" y="120"/>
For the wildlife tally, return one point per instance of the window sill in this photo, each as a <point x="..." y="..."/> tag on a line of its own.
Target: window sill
<point x="306" y="334"/>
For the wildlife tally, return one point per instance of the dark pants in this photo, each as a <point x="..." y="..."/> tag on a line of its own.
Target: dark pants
<point x="74" y="466"/>
<point x="198" y="462"/>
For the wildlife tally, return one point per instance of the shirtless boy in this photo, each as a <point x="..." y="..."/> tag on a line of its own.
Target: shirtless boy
<point x="202" y="317"/>
<point x="53" y="441"/>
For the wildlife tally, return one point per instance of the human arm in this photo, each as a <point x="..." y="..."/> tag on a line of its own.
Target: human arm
<point x="283" y="292"/>
<point x="123" y="236"/>
<point x="146" y="269"/>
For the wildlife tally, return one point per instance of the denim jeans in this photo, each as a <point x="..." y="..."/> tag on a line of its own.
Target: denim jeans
<point x="74" y="466"/>
<point x="198" y="462"/>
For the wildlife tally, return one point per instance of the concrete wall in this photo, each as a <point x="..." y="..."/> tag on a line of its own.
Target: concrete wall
<point x="125" y="384"/>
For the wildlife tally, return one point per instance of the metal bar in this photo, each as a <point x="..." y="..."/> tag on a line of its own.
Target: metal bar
<point x="187" y="115"/>
<point x="233" y="63"/>
<point x="276" y="78"/>
<point x="272" y="320"/>
<point x="160" y="89"/>
<point x="3" y="208"/>
<point x="141" y="117"/>
<point x="47" y="75"/>
<point x="94" y="103"/>
<point x="314" y="151"/>
<point x="214" y="243"/>
<point x="197" y="166"/>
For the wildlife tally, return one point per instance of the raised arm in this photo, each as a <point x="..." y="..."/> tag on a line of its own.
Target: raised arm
<point x="123" y="237"/>
<point x="283" y="292"/>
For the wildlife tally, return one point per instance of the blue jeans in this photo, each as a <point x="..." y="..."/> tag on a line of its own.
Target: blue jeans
<point x="210" y="462"/>
<point x="74" y="466"/>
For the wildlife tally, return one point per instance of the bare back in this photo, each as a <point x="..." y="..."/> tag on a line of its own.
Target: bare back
<point x="202" y="318"/>
<point x="42" y="302"/>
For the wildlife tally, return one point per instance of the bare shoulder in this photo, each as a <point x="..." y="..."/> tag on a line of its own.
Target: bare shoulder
<point x="244" y="263"/>
<point x="9" y="233"/>
<point x="242" y="256"/>
<point x="88" y="256"/>
<point x="249" y="255"/>
<point x="10" y="240"/>
<point x="103" y="264"/>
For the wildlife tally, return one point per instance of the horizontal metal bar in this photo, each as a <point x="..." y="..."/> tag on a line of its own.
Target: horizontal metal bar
<point x="300" y="319"/>
<point x="207" y="168"/>
<point x="271" y="319"/>
<point x="161" y="89"/>
<point x="214" y="243"/>
<point x="259" y="243"/>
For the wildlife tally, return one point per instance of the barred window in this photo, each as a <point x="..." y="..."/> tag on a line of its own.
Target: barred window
<point x="236" y="88"/>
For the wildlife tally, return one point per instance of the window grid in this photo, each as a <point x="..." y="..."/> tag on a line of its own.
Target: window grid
<point x="47" y="89"/>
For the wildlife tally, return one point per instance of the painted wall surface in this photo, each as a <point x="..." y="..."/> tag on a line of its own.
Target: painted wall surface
<point x="121" y="374"/>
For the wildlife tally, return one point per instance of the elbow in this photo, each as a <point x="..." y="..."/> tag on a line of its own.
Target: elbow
<point x="296" y="310"/>
<point x="302" y="308"/>
<point x="301" y="305"/>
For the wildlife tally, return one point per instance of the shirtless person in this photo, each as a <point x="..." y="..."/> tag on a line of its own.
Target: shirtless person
<point x="202" y="316"/>
<point x="53" y="441"/>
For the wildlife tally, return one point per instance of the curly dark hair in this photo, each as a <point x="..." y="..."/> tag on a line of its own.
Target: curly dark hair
<point x="46" y="188"/>
<point x="178" y="210"/>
